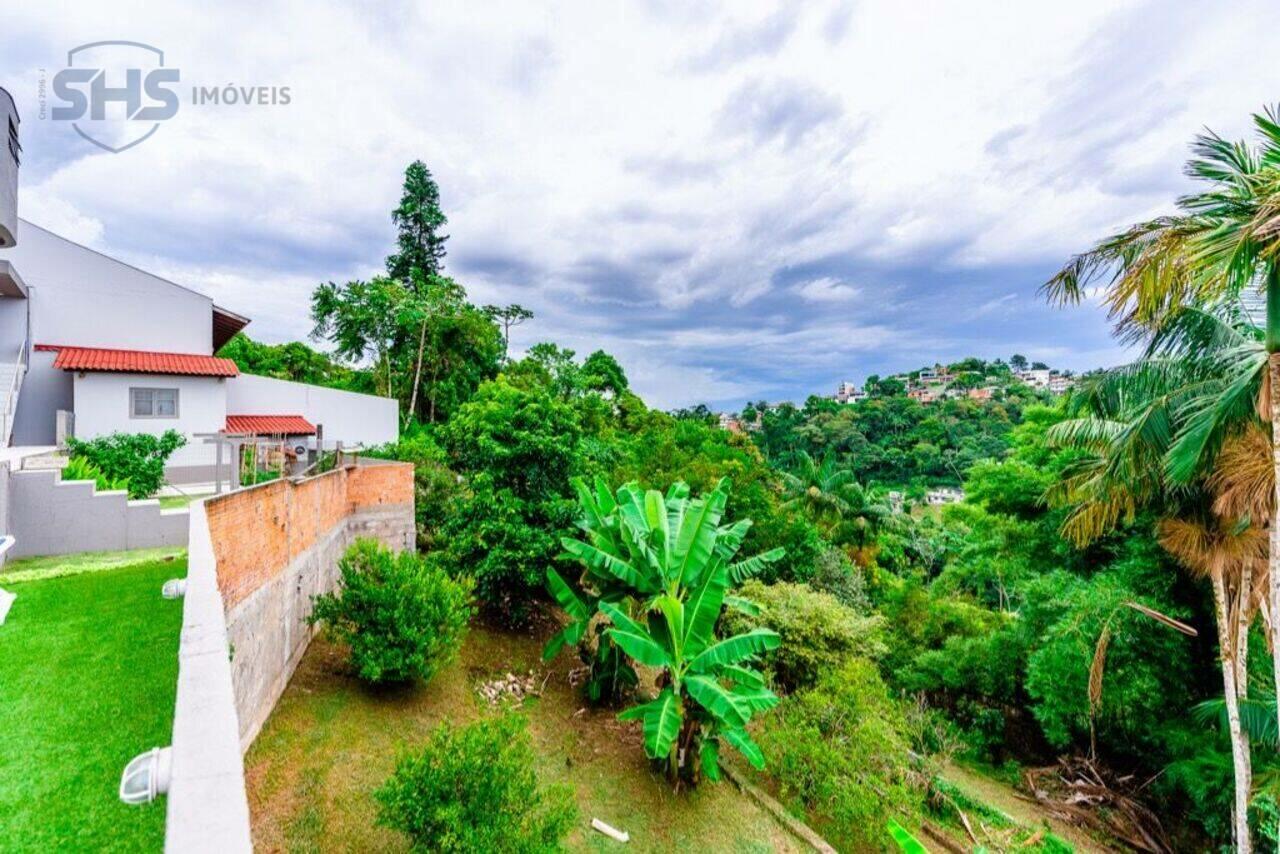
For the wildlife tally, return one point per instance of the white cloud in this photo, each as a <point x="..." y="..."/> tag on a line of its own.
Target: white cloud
<point x="827" y="289"/>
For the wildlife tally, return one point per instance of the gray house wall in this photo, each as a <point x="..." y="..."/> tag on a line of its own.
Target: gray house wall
<point x="8" y="171"/>
<point x="13" y="327"/>
<point x="44" y="392"/>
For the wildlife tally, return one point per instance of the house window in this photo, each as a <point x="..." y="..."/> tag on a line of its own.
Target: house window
<point x="153" y="403"/>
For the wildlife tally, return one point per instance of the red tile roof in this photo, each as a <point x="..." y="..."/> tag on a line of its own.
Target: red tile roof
<point x="139" y="362"/>
<point x="272" y="425"/>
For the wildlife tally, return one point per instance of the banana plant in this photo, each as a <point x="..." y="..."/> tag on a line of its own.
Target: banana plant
<point x="658" y="568"/>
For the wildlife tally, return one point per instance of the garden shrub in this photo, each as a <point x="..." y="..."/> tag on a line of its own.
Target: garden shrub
<point x="79" y="468"/>
<point x="138" y="458"/>
<point x="817" y="631"/>
<point x="473" y="788"/>
<point x="840" y="750"/>
<point x="401" y="614"/>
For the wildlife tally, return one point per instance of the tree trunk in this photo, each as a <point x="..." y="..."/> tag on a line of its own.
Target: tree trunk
<point x="1229" y="625"/>
<point x="417" y="371"/>
<point x="1273" y="558"/>
<point x="431" y="398"/>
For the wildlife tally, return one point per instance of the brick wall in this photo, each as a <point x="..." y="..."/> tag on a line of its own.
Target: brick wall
<point x="276" y="546"/>
<point x="257" y="532"/>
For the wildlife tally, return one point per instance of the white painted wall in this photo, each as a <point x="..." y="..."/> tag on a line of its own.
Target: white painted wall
<point x="82" y="298"/>
<point x="346" y="416"/>
<point x="102" y="407"/>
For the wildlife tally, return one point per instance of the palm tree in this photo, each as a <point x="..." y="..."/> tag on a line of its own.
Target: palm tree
<point x="863" y="514"/>
<point x="1136" y="420"/>
<point x="1221" y="246"/>
<point x="815" y="487"/>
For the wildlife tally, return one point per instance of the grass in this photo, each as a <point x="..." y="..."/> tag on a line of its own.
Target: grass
<point x="330" y="742"/>
<point x="88" y="670"/>
<point x="171" y="502"/>
<point x="56" y="566"/>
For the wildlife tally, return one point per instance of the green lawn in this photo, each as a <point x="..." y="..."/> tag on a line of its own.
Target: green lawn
<point x="88" y="669"/>
<point x="53" y="566"/>
<point x="330" y="742"/>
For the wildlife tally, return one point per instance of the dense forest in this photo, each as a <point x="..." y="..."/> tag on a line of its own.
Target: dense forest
<point x="1066" y="619"/>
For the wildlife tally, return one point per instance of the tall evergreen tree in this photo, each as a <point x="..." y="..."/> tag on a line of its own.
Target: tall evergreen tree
<point x="419" y="220"/>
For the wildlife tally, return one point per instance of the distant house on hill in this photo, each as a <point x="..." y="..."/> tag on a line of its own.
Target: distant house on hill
<point x="732" y="423"/>
<point x="923" y="395"/>
<point x="944" y="495"/>
<point x="847" y="392"/>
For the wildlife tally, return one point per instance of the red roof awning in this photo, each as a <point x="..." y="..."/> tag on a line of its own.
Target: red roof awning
<point x="139" y="362"/>
<point x="270" y="425"/>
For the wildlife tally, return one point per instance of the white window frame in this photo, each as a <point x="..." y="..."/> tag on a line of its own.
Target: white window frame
<point x="135" y="395"/>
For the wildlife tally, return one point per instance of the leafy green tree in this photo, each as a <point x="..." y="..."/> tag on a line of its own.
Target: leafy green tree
<point x="434" y="299"/>
<point x="889" y="387"/>
<point x="563" y="375"/>
<point x="517" y="448"/>
<point x="362" y="320"/>
<point x="602" y="373"/>
<point x="815" y="487"/>
<point x="659" y="568"/>
<point x="293" y="361"/>
<point x="818" y="632"/>
<point x="418" y="219"/>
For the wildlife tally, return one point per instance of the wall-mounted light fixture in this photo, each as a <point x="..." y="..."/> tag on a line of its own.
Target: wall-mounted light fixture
<point x="146" y="776"/>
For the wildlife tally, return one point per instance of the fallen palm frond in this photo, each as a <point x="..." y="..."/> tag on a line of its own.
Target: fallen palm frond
<point x="1176" y="625"/>
<point x="1085" y="794"/>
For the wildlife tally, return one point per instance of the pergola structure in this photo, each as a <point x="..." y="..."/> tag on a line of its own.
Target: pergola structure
<point x="284" y="434"/>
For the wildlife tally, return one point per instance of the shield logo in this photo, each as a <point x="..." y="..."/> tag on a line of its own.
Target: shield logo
<point x="116" y="93"/>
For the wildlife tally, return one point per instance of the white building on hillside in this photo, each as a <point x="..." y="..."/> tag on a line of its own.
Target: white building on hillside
<point x="848" y="392"/>
<point x="1035" y="377"/>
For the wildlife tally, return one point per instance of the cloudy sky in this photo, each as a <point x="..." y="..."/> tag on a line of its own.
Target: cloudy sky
<point x="738" y="200"/>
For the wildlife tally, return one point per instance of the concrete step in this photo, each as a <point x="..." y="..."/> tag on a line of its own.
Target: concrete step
<point x="44" y="462"/>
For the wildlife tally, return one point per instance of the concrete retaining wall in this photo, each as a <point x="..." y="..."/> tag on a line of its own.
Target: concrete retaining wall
<point x="256" y="557"/>
<point x="51" y="516"/>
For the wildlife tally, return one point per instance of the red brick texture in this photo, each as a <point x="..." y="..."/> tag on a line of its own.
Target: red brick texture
<point x="257" y="532"/>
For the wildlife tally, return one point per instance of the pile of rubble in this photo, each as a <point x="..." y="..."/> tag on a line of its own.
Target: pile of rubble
<point x="511" y="687"/>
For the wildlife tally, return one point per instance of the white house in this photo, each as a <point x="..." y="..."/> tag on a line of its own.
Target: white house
<point x="848" y="392"/>
<point x="128" y="351"/>
<point x="1035" y="377"/>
